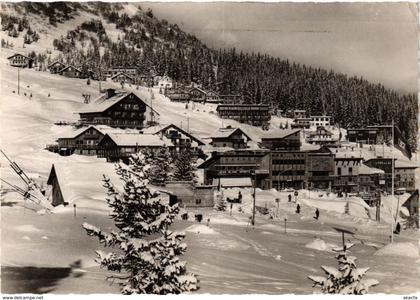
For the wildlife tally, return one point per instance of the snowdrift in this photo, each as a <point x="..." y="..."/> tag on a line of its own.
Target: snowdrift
<point x="399" y="249"/>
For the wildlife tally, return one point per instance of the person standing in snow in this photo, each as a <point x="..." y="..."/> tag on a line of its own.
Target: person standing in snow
<point x="316" y="214"/>
<point x="298" y="209"/>
<point x="289" y="197"/>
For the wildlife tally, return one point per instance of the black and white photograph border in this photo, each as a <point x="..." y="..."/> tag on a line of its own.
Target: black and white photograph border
<point x="209" y="149"/>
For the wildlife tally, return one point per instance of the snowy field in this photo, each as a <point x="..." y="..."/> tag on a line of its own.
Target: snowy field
<point x="52" y="253"/>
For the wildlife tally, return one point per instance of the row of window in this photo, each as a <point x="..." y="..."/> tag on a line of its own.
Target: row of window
<point x="288" y="161"/>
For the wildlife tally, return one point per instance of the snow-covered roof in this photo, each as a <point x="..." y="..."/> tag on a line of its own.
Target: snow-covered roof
<point x="233" y="182"/>
<point x="70" y="66"/>
<point x="82" y="182"/>
<point x="56" y="62"/>
<point x="227" y="132"/>
<point x="101" y="128"/>
<point x="141" y="140"/>
<point x="16" y="54"/>
<point x="123" y="74"/>
<point x="102" y="103"/>
<point x="401" y="164"/>
<point x="279" y="133"/>
<point x="365" y="170"/>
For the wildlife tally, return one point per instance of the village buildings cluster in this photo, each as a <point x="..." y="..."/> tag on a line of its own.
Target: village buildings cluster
<point x="119" y="123"/>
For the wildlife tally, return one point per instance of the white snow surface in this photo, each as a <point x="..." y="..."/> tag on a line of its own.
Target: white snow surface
<point x="201" y="229"/>
<point x="321" y="245"/>
<point x="399" y="249"/>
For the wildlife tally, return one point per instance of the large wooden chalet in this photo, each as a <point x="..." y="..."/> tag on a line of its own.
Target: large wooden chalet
<point x="20" y="61"/>
<point x="282" y="139"/>
<point x="71" y="71"/>
<point x="119" y="109"/>
<point x="83" y="141"/>
<point x="252" y="114"/>
<point x="230" y="137"/>
<point x="178" y="136"/>
<point x="123" y="78"/>
<point x="56" y="67"/>
<point x="119" y="146"/>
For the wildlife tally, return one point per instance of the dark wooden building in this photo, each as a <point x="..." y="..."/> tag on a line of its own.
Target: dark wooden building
<point x="384" y="164"/>
<point x="282" y="139"/>
<point x="180" y="138"/>
<point x="71" y="71"/>
<point x="20" y="61"/>
<point x="123" y="78"/>
<point x="56" y="67"/>
<point x="230" y="137"/>
<point x="320" y="168"/>
<point x="288" y="169"/>
<point x="252" y="114"/>
<point x="84" y="141"/>
<point x="302" y="123"/>
<point x="131" y="71"/>
<point x="119" y="109"/>
<point x="321" y="136"/>
<point x="254" y="164"/>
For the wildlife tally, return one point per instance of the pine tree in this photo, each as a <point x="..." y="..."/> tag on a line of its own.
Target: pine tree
<point x="184" y="167"/>
<point x="347" y="279"/>
<point x="148" y="256"/>
<point x="160" y="170"/>
<point x="221" y="204"/>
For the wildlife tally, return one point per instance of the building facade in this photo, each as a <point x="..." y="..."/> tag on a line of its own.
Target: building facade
<point x="254" y="164"/>
<point x="321" y="121"/>
<point x="119" y="109"/>
<point x="71" y="71"/>
<point x="230" y="137"/>
<point x="20" y="61"/>
<point x="320" y="137"/>
<point x="346" y="175"/>
<point x="282" y="140"/>
<point x="56" y="67"/>
<point x="252" y="114"/>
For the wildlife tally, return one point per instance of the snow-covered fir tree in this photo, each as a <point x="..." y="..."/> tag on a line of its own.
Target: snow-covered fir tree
<point x="221" y="203"/>
<point x="148" y="256"/>
<point x="160" y="170"/>
<point x="347" y="279"/>
<point x="184" y="165"/>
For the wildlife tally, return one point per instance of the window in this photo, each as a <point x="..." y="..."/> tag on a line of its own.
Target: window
<point x="197" y="201"/>
<point x="339" y="171"/>
<point x="350" y="171"/>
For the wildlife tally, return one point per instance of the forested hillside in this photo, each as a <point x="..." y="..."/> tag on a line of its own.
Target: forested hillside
<point x="148" y="42"/>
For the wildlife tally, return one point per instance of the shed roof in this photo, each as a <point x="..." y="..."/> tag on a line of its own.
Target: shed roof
<point x="233" y="182"/>
<point x="365" y="170"/>
<point x="279" y="133"/>
<point x="141" y="140"/>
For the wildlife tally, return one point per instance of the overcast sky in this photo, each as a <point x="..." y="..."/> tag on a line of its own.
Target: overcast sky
<point x="373" y="40"/>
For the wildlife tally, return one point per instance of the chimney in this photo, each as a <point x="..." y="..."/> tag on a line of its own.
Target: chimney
<point x="110" y="93"/>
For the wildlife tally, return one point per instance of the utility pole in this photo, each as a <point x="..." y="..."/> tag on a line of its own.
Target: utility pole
<point x="392" y="183"/>
<point x="253" y="196"/>
<point x="18" y="69"/>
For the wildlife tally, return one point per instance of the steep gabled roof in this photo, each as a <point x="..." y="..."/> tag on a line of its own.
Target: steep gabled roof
<point x="123" y="74"/>
<point x="16" y="54"/>
<point x="279" y="133"/>
<point x="70" y="66"/>
<point x="56" y="62"/>
<point x="200" y="142"/>
<point x="103" y="129"/>
<point x="227" y="132"/>
<point x="102" y="103"/>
